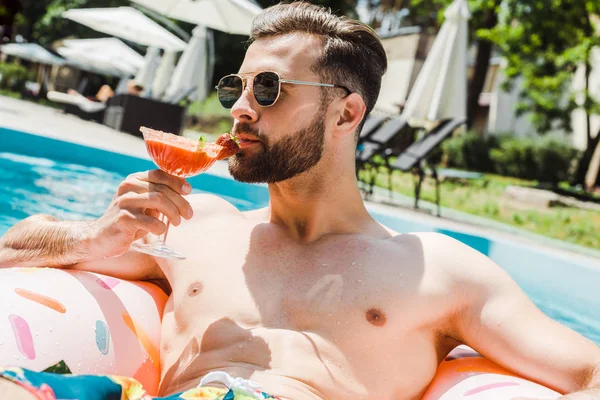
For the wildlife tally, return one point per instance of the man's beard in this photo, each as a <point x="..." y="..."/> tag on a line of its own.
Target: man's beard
<point x="290" y="156"/>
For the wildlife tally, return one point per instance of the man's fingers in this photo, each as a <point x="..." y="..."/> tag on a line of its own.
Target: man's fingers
<point x="152" y="200"/>
<point x="146" y="223"/>
<point x="184" y="207"/>
<point x="178" y="185"/>
<point x="134" y="184"/>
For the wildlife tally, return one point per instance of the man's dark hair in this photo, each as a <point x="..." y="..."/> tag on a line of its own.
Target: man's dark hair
<point x="353" y="55"/>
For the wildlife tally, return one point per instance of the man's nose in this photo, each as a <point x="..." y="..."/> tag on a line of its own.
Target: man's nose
<point x="244" y="108"/>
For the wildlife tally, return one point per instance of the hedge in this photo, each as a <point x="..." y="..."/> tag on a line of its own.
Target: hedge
<point x="545" y="160"/>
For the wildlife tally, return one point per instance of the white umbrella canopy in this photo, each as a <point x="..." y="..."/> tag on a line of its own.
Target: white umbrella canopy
<point x="97" y="59"/>
<point x="231" y="16"/>
<point x="194" y="69"/>
<point x="92" y="62"/>
<point x="126" y="23"/>
<point x="110" y="46"/>
<point x="440" y="90"/>
<point x="32" y="52"/>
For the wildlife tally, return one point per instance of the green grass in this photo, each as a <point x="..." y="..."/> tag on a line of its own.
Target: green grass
<point x="40" y="101"/>
<point x="9" y="93"/>
<point x="210" y="107"/>
<point x="483" y="198"/>
<point x="209" y="116"/>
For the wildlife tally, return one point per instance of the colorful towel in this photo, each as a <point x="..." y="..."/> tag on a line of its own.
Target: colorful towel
<point x="56" y="386"/>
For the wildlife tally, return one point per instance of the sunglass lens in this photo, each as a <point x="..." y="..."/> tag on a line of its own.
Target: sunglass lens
<point x="229" y="90"/>
<point x="266" y="88"/>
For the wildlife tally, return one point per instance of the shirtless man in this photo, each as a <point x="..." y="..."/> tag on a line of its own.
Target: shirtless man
<point x="311" y="298"/>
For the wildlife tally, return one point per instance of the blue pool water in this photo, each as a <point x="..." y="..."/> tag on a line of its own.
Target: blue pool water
<point x="69" y="181"/>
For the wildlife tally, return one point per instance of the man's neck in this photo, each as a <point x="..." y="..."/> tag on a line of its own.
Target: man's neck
<point x="313" y="205"/>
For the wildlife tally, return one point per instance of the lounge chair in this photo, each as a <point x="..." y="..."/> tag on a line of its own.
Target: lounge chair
<point x="380" y="138"/>
<point x="78" y="100"/>
<point x="412" y="157"/>
<point x="372" y="123"/>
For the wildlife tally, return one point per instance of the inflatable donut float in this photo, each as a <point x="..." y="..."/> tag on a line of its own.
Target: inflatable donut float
<point x="465" y="374"/>
<point x="80" y="322"/>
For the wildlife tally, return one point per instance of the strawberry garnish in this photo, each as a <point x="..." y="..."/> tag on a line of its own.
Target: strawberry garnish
<point x="230" y="145"/>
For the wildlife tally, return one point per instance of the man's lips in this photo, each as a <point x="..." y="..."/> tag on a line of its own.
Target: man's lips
<point x="247" y="140"/>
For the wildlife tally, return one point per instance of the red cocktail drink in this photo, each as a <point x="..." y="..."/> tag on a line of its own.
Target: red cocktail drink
<point x="184" y="158"/>
<point x="178" y="155"/>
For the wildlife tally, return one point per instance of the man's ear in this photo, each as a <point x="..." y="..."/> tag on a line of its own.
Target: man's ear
<point x="350" y="114"/>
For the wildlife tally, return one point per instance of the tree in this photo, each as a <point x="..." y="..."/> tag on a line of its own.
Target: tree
<point x="52" y="26"/>
<point x="429" y="15"/>
<point x="8" y="11"/>
<point x="544" y="42"/>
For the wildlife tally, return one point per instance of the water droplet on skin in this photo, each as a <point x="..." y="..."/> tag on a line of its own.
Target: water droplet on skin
<point x="329" y="315"/>
<point x="241" y="346"/>
<point x="359" y="281"/>
<point x="323" y="265"/>
<point x="353" y="262"/>
<point x="400" y="275"/>
<point x="49" y="329"/>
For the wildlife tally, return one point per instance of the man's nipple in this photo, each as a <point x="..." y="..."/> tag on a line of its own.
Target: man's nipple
<point x="376" y="316"/>
<point x="195" y="289"/>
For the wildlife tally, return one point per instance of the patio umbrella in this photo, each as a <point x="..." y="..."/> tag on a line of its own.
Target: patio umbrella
<point x="440" y="90"/>
<point x="231" y="16"/>
<point x="163" y="74"/>
<point x="32" y="52"/>
<point x="146" y="74"/>
<point x="109" y="52"/>
<point x="80" y="60"/>
<point x="110" y="46"/>
<point x="194" y="69"/>
<point x="126" y="23"/>
<point x="94" y="61"/>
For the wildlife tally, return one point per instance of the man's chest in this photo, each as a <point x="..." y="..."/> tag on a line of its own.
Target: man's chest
<point x="351" y="283"/>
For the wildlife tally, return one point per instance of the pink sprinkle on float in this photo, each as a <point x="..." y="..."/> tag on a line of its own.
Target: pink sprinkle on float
<point x="490" y="386"/>
<point x="107" y="283"/>
<point x="22" y="336"/>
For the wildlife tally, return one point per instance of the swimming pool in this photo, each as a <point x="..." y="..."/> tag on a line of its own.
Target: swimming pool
<point x="70" y="181"/>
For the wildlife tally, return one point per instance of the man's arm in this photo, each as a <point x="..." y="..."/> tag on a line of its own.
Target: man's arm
<point x="102" y="245"/>
<point x="44" y="241"/>
<point x="497" y="319"/>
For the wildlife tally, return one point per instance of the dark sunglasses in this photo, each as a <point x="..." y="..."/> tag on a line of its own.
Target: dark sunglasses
<point x="266" y="87"/>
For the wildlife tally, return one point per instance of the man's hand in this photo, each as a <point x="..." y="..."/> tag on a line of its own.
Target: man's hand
<point x="134" y="212"/>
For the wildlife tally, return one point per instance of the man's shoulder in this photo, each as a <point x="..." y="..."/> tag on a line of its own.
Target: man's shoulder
<point x="444" y="252"/>
<point x="427" y="240"/>
<point x="210" y="204"/>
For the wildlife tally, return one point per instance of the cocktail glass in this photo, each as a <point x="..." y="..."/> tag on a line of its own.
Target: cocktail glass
<point x="179" y="156"/>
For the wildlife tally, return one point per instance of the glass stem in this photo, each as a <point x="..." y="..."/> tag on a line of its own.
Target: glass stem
<point x="165" y="220"/>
